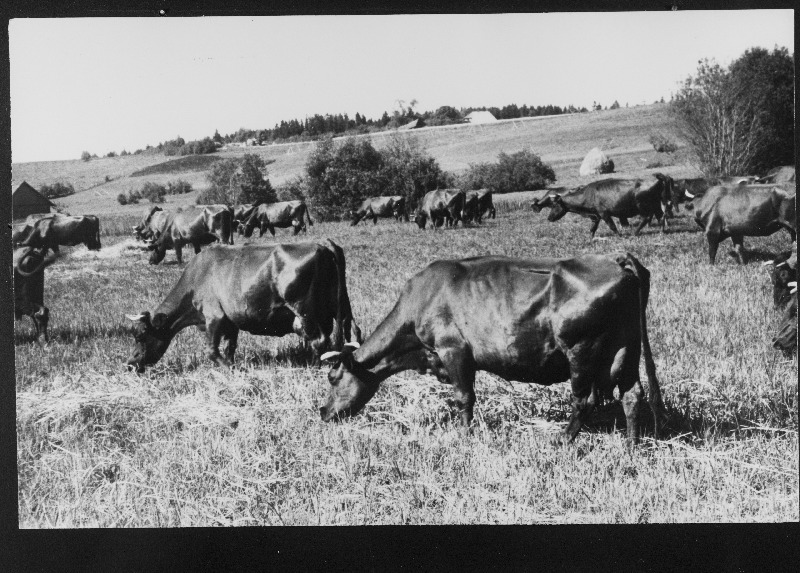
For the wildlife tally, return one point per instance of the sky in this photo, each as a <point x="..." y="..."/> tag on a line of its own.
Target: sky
<point x="108" y="84"/>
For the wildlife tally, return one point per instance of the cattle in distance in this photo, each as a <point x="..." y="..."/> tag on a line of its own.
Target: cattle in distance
<point x="283" y="215"/>
<point x="542" y="321"/>
<point x="270" y="290"/>
<point x="54" y="230"/>
<point x="384" y="207"/>
<point x="441" y="207"/>
<point x="479" y="204"/>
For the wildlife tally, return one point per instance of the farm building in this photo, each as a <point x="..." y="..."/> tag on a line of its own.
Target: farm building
<point x="28" y="201"/>
<point x="413" y="124"/>
<point x="480" y="117"/>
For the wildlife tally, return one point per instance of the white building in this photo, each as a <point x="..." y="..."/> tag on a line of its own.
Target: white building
<point x="480" y="117"/>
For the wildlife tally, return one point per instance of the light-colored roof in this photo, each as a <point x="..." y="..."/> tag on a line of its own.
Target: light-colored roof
<point x="480" y="117"/>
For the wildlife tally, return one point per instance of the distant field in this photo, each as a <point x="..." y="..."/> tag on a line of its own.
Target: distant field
<point x="180" y="165"/>
<point x="562" y="141"/>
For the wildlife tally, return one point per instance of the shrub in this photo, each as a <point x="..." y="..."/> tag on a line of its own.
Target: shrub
<point x="122" y="199"/>
<point x="154" y="192"/>
<point x="57" y="189"/>
<point x="179" y="187"/>
<point x="296" y="188"/>
<point x="241" y="180"/>
<point x="662" y="143"/>
<point x="520" y="171"/>
<point x="408" y="170"/>
<point x="85" y="156"/>
<point x="111" y="154"/>
<point x="131" y="198"/>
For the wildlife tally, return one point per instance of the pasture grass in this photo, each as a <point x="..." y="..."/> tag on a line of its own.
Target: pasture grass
<point x="191" y="444"/>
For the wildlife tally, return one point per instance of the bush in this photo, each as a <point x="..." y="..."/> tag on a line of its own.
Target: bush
<point x="131" y="198"/>
<point x="179" y="187"/>
<point x="294" y="189"/>
<point x="408" y="170"/>
<point x="153" y="192"/>
<point x="85" y="156"/>
<point x="662" y="143"/>
<point x="235" y="181"/>
<point x="122" y="199"/>
<point x="57" y="189"/>
<point x="521" y="171"/>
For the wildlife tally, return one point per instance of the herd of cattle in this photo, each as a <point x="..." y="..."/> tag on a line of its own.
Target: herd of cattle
<point x="533" y="320"/>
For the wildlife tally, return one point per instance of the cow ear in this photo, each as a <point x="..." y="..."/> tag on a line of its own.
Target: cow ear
<point x="159" y="321"/>
<point x="331" y="357"/>
<point x="143" y="317"/>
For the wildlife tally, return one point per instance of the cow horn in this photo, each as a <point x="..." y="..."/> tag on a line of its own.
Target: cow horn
<point x="689" y="195"/>
<point x="767" y="263"/>
<point x="793" y="286"/>
<point x="135" y="317"/>
<point x="353" y="345"/>
<point x="330" y="356"/>
<point x="781" y="264"/>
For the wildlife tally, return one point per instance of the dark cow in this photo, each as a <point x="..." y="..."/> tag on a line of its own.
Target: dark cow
<point x="547" y="201"/>
<point x="240" y="215"/>
<point x="782" y="273"/>
<point x="744" y="211"/>
<point x="51" y="231"/>
<point x="152" y="224"/>
<point x="786" y="338"/>
<point x="184" y="228"/>
<point x="613" y="197"/>
<point x="374" y="207"/>
<point x="267" y="216"/>
<point x="270" y="290"/>
<point x="543" y="321"/>
<point x="442" y="206"/>
<point x="478" y="204"/>
<point x="784" y="174"/>
<point x="692" y="189"/>
<point x="29" y="264"/>
<point x="220" y="221"/>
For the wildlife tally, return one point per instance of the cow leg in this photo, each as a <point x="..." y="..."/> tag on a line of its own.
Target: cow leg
<point x="595" y="224"/>
<point x="624" y="222"/>
<point x="631" y="401"/>
<point x="374" y="219"/>
<point x="216" y="326"/>
<point x="461" y="369"/>
<point x="231" y="336"/>
<point x="179" y="253"/>
<point x="738" y="248"/>
<point x="641" y="225"/>
<point x="713" y="245"/>
<point x="610" y="222"/>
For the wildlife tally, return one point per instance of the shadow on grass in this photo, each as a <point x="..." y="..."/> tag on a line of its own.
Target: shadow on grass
<point x="80" y="334"/>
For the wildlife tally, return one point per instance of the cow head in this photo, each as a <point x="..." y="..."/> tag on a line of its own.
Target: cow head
<point x="782" y="274"/>
<point x="159" y="252"/>
<point x="351" y="384"/>
<point x="152" y="338"/>
<point x="557" y="209"/>
<point x="542" y="202"/>
<point x="420" y="219"/>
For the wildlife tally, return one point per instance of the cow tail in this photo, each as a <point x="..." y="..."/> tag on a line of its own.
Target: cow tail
<point x="345" y="325"/>
<point x="97" y="234"/>
<point x="654" y="391"/>
<point x="308" y="215"/>
<point x="226" y="231"/>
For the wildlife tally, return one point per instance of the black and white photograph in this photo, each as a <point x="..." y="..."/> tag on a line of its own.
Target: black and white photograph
<point x="404" y="269"/>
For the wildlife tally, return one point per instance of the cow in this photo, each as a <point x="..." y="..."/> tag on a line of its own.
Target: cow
<point x="547" y="201"/>
<point x="786" y="338"/>
<point x="183" y="228"/>
<point x="782" y="272"/>
<point x="270" y="290"/>
<point x="692" y="189"/>
<point x="783" y="174"/>
<point x="478" y="204"/>
<point x="542" y="320"/>
<point x="744" y="211"/>
<point x="240" y="215"/>
<point x="51" y="231"/>
<point x="267" y="216"/>
<point x="442" y="206"/>
<point x="29" y="264"/>
<point x="374" y="207"/>
<point x="621" y="198"/>
<point x="220" y="221"/>
<point x="152" y="224"/>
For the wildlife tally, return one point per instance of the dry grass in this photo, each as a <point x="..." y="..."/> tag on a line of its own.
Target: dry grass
<point x="190" y="444"/>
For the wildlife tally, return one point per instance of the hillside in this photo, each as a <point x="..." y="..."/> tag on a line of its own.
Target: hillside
<point x="560" y="140"/>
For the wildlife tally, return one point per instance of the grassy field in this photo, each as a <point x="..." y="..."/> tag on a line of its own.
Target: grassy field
<point x="191" y="444"/>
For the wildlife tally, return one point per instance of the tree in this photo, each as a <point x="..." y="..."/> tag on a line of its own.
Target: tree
<point x="85" y="156"/>
<point x="614" y="105"/>
<point x="235" y="181"/>
<point x="408" y="170"/>
<point x="768" y="79"/>
<point x="720" y="114"/>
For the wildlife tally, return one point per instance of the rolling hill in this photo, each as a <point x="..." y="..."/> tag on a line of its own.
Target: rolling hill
<point x="560" y="140"/>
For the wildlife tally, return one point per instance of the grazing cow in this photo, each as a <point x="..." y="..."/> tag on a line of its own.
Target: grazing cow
<point x="374" y="207"/>
<point x="267" y="216"/>
<point x="152" y="224"/>
<point x="240" y="215"/>
<point x="270" y="290"/>
<point x="782" y="272"/>
<point x="184" y="228"/>
<point x="542" y="320"/>
<point x="784" y="174"/>
<point x="29" y="264"/>
<point x="220" y="221"/>
<point x="50" y="231"/>
<point x="786" y="338"/>
<point x="478" y="204"/>
<point x="621" y="198"/>
<point x="441" y="206"/>
<point x="547" y="201"/>
<point x="744" y="211"/>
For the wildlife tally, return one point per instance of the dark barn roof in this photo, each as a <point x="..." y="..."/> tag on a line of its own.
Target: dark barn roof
<point x="26" y="201"/>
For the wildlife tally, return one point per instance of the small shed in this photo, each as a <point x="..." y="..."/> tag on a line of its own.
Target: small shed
<point x="413" y="124"/>
<point x="25" y="200"/>
<point x="480" y="117"/>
